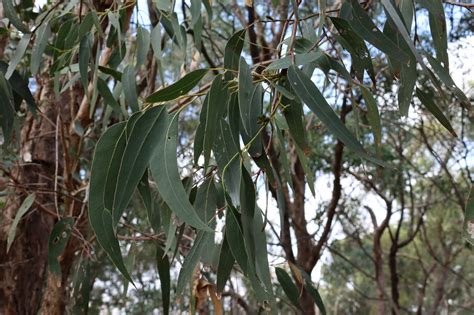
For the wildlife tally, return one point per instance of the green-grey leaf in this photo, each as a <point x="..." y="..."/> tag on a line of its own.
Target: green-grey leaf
<point x="288" y="286"/>
<point x="365" y="28"/>
<point x="312" y="97"/>
<point x="356" y="46"/>
<point x="99" y="217"/>
<point x="136" y="157"/>
<point x="225" y="150"/>
<point x="85" y="49"/>
<point x="163" y="265"/>
<point x="57" y="243"/>
<point x="179" y="88"/>
<point x="443" y="74"/>
<point x="152" y="209"/>
<point x="427" y="100"/>
<point x="469" y="218"/>
<point x="10" y="13"/>
<point x="7" y="113"/>
<point x="313" y="292"/>
<point x="250" y="107"/>
<point x="225" y="265"/>
<point x="213" y="108"/>
<point x="164" y="168"/>
<point x="235" y="239"/>
<point x="19" y="52"/>
<point x="41" y="41"/>
<point x="438" y="29"/>
<point x="299" y="59"/>
<point x="20" y="86"/>
<point x="108" y="97"/>
<point x="232" y="52"/>
<point x="129" y="88"/>
<point x="25" y="206"/>
<point x="373" y="116"/>
<point x="143" y="45"/>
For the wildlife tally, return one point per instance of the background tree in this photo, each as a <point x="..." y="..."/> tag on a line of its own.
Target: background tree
<point x="120" y="87"/>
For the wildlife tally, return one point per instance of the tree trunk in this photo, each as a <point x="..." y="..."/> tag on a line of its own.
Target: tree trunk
<point x="27" y="287"/>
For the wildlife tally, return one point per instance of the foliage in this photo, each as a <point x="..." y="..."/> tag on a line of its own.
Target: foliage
<point x="181" y="166"/>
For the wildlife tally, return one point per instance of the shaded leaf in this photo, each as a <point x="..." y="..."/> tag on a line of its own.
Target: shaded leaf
<point x="7" y="109"/>
<point x="136" y="156"/>
<point x="20" y="86"/>
<point x="152" y="210"/>
<point x="213" y="109"/>
<point x="10" y="13"/>
<point x="288" y="286"/>
<point x="225" y="265"/>
<point x="312" y="97"/>
<point x="18" y="55"/>
<point x="41" y="41"/>
<point x="25" y="206"/>
<point x="143" y="45"/>
<point x="99" y="217"/>
<point x="299" y="59"/>
<point x="163" y="265"/>
<point x="373" y="116"/>
<point x="85" y="49"/>
<point x="427" y="100"/>
<point x="250" y="107"/>
<point x="57" y="243"/>
<point x="129" y="88"/>
<point x="164" y="169"/>
<point x="438" y="29"/>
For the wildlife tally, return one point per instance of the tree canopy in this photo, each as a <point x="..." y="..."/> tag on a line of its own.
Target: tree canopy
<point x="245" y="156"/>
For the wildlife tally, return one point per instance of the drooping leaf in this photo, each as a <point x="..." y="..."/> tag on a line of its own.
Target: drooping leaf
<point x="163" y="265"/>
<point x="356" y="46"/>
<point x="156" y="41"/>
<point x="164" y="168"/>
<point x="19" y="52"/>
<point x="443" y="75"/>
<point x="143" y="45"/>
<point x="438" y="29"/>
<point x="20" y="86"/>
<point x="312" y="97"/>
<point x="250" y="107"/>
<point x="226" y="151"/>
<point x="362" y="24"/>
<point x="152" y="209"/>
<point x="10" y="13"/>
<point x="129" y="88"/>
<point x="373" y="116"/>
<point x="288" y="286"/>
<point x="427" y="100"/>
<point x="25" y="206"/>
<point x="179" y="88"/>
<point x="313" y="292"/>
<point x="85" y="49"/>
<point x="469" y="218"/>
<point x="293" y="112"/>
<point x="41" y="41"/>
<point x="247" y="210"/>
<point x="136" y="156"/>
<point x="235" y="239"/>
<point x="86" y="25"/>
<point x="213" y="108"/>
<point x="225" y="265"/>
<point x="99" y="217"/>
<point x="108" y="97"/>
<point x="232" y="52"/>
<point x="57" y="243"/>
<point x="7" y="109"/>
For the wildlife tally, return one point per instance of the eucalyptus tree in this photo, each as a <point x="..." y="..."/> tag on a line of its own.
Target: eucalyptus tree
<point x="98" y="97"/>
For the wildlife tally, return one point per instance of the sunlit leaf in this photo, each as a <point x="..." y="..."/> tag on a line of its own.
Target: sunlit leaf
<point x="179" y="88"/>
<point x="41" y="41"/>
